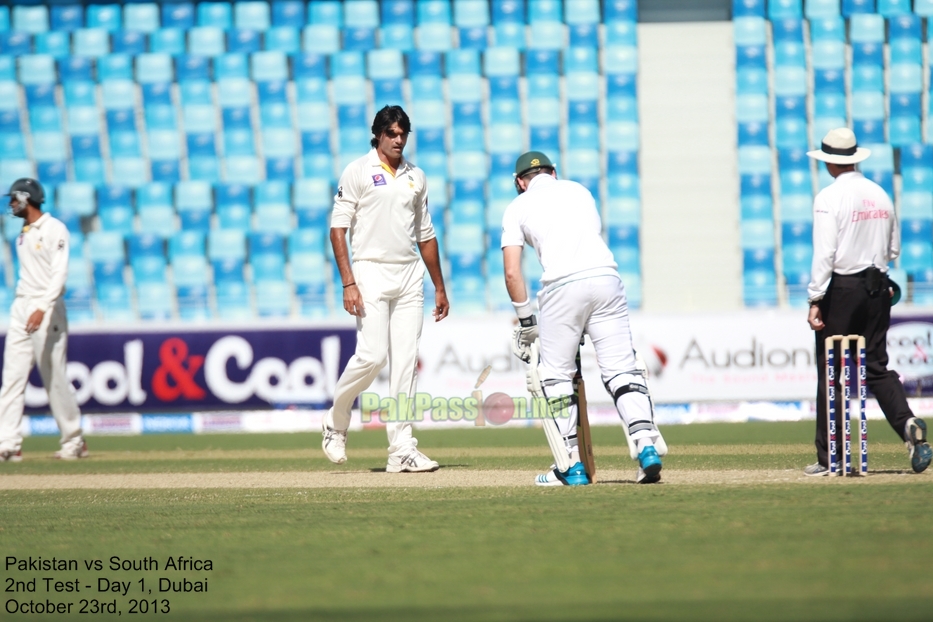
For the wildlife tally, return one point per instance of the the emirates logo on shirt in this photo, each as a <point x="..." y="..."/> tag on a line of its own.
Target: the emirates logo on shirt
<point x="379" y="179"/>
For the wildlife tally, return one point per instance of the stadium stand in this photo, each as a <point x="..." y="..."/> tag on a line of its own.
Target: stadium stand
<point x="193" y="148"/>
<point x="880" y="47"/>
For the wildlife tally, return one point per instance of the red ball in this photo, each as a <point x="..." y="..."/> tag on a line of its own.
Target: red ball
<point x="498" y="408"/>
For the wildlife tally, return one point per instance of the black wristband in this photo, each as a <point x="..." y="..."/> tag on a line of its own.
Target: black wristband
<point x="527" y="321"/>
<point x="349" y="284"/>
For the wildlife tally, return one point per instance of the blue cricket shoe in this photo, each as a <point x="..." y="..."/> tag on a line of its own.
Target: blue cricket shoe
<point x="649" y="466"/>
<point x="574" y="476"/>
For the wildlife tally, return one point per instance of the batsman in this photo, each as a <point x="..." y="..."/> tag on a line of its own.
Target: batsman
<point x="581" y="293"/>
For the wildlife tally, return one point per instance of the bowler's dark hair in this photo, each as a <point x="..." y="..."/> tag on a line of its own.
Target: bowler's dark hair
<point x="384" y="120"/>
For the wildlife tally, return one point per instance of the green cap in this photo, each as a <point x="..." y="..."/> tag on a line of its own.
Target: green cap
<point x="530" y="160"/>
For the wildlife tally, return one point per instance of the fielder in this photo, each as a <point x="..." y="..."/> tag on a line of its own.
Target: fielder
<point x="581" y="293"/>
<point x="383" y="200"/>
<point x="38" y="329"/>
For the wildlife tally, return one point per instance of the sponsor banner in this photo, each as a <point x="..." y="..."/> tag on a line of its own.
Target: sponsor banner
<point x="188" y="370"/>
<point x="746" y="356"/>
<point x="910" y="352"/>
<point x="743" y="356"/>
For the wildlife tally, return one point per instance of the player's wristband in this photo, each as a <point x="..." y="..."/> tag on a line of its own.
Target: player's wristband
<point x="525" y="322"/>
<point x="349" y="285"/>
<point x="523" y="309"/>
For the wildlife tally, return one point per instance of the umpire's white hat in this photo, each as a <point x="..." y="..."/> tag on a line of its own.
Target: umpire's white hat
<point x="840" y="147"/>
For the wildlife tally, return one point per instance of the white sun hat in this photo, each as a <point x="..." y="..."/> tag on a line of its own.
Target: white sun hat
<point x="840" y="147"/>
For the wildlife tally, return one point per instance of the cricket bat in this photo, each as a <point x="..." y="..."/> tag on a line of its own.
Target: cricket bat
<point x="584" y="440"/>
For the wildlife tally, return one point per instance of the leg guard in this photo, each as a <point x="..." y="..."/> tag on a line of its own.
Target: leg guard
<point x="563" y="447"/>
<point x="629" y="392"/>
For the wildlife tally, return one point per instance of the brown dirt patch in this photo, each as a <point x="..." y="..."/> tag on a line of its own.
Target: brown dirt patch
<point x="444" y="478"/>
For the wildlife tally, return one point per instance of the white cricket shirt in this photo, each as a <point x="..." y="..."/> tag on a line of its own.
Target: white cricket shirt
<point x="42" y="248"/>
<point x="559" y="219"/>
<point x="854" y="228"/>
<point x="387" y="215"/>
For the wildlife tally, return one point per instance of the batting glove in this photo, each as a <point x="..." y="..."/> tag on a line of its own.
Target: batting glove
<point x="523" y="336"/>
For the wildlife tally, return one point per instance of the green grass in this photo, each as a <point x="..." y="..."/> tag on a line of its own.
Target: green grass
<point x="856" y="551"/>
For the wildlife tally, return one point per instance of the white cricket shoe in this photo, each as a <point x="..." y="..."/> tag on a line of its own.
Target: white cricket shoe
<point x="335" y="445"/>
<point x="413" y="462"/>
<point x="8" y="455"/>
<point x="73" y="452"/>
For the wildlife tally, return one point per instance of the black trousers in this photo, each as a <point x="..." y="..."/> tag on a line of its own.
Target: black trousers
<point x="847" y="309"/>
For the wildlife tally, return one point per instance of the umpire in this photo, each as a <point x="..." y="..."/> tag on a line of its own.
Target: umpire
<point x="855" y="237"/>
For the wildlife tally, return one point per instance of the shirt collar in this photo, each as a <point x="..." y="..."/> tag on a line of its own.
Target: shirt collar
<point x="849" y="173"/>
<point x="38" y="223"/>
<point x="537" y="179"/>
<point x="375" y="161"/>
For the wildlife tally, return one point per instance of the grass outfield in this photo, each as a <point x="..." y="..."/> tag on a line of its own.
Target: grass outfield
<point x="770" y="548"/>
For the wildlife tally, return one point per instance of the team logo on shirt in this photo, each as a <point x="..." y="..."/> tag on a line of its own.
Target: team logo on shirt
<point x="339" y="192"/>
<point x="61" y="244"/>
<point x="379" y="180"/>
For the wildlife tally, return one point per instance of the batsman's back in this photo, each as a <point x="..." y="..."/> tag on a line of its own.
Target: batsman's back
<point x="559" y="219"/>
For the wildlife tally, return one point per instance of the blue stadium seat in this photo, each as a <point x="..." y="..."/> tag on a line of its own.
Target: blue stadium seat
<point x="545" y="11"/>
<point x="217" y="14"/>
<point x="154" y="68"/>
<point x="750" y="80"/>
<point x="326" y="12"/>
<point x="508" y="11"/>
<point x="234" y="210"/>
<point x="268" y="66"/>
<point x="359" y="39"/>
<point x="906" y="26"/>
<point x="398" y="37"/>
<point x="283" y="39"/>
<point x="754" y="55"/>
<point x="74" y="68"/>
<point x="206" y="41"/>
<point x="890" y="8"/>
<point x="168" y="41"/>
<point x="867" y="28"/>
<point x="30" y="19"/>
<point x="320" y="39"/>
<point x="104" y="16"/>
<point x="231" y="66"/>
<point x="397" y="12"/>
<point x="178" y="15"/>
<point x="154" y="300"/>
<point x="827" y="29"/>
<point x="905" y="78"/>
<point x="54" y="43"/>
<point x="743" y="8"/>
<point x="288" y="13"/>
<point x="273" y="298"/>
<point x="15" y="43"/>
<point x="749" y="31"/>
<point x="856" y="7"/>
<point x="916" y="205"/>
<point x="36" y="69"/>
<point x="141" y="17"/>
<point x="67" y="17"/>
<point x="434" y="37"/>
<point x="129" y="42"/>
<point x="91" y="42"/>
<point x="821" y="8"/>
<point x="510" y="34"/>
<point x="241" y="41"/>
<point x="251" y="14"/>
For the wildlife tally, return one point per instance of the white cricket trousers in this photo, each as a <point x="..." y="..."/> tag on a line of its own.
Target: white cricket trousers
<point x="597" y="306"/>
<point x="48" y="346"/>
<point x="389" y="331"/>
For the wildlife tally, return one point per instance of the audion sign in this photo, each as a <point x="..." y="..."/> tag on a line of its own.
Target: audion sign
<point x="226" y="373"/>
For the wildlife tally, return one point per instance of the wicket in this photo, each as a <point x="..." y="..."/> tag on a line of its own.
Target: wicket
<point x="845" y="342"/>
